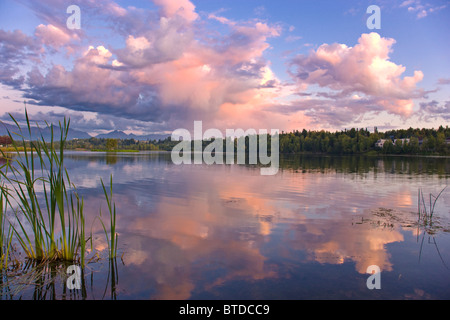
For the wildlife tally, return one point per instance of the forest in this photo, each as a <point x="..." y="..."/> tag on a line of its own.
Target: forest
<point x="354" y="141"/>
<point x="360" y="141"/>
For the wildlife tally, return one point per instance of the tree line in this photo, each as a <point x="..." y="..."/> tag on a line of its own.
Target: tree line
<point x="361" y="141"/>
<point x="102" y="144"/>
<point x="354" y="141"/>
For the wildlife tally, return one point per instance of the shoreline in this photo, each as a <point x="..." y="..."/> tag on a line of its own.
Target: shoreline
<point x="368" y="155"/>
<point x="9" y="151"/>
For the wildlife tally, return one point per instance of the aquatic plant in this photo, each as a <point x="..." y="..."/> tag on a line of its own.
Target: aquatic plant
<point x="427" y="215"/>
<point x="5" y="238"/>
<point x="426" y="218"/>
<point x="37" y="165"/>
<point x="48" y="213"/>
<point x="113" y="236"/>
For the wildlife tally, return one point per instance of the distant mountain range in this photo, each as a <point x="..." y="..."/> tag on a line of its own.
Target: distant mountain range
<point x="123" y="136"/>
<point x="74" y="134"/>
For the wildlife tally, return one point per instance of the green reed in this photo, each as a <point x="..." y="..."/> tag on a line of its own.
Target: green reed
<point x="47" y="214"/>
<point x="37" y="219"/>
<point x="5" y="237"/>
<point x="113" y="237"/>
<point x="422" y="207"/>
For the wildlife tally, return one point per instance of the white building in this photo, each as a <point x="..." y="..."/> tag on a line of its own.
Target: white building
<point x="380" y="143"/>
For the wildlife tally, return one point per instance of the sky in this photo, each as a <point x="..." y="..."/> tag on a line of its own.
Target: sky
<point x="153" y="66"/>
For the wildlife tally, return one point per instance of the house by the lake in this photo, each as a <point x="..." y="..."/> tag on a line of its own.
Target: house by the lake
<point x="380" y="143"/>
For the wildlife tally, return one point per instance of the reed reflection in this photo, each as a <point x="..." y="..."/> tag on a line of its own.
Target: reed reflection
<point x="49" y="281"/>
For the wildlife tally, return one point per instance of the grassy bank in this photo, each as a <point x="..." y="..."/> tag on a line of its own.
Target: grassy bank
<point x="14" y="149"/>
<point x="113" y="151"/>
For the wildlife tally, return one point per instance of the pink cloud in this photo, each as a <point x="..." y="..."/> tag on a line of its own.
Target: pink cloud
<point x="166" y="43"/>
<point x="172" y="70"/>
<point x="183" y="8"/>
<point x="201" y="76"/>
<point x="55" y="37"/>
<point x="168" y="71"/>
<point x="89" y="85"/>
<point x="421" y="9"/>
<point x="362" y="69"/>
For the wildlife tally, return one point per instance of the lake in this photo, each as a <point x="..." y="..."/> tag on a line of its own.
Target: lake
<point x="226" y="232"/>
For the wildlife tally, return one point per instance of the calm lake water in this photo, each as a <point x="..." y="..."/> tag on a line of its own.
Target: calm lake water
<point x="226" y="232"/>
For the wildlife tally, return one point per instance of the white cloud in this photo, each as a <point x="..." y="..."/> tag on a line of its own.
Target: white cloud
<point x="421" y="10"/>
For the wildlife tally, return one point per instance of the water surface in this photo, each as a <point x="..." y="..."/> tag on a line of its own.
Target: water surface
<point x="309" y="232"/>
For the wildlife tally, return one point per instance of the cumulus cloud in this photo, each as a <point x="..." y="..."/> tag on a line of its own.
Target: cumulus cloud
<point x="183" y="8"/>
<point x="166" y="43"/>
<point x="169" y="72"/>
<point x="53" y="36"/>
<point x="360" y="71"/>
<point x="91" y="86"/>
<point x="172" y="65"/>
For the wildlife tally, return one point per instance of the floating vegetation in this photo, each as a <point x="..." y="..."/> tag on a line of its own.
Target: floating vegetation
<point x="424" y="219"/>
<point x="425" y="222"/>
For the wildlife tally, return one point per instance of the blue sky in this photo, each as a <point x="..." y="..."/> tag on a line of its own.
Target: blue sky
<point x="154" y="66"/>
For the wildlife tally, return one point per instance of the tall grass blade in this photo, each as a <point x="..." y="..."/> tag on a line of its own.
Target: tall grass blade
<point x="112" y="239"/>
